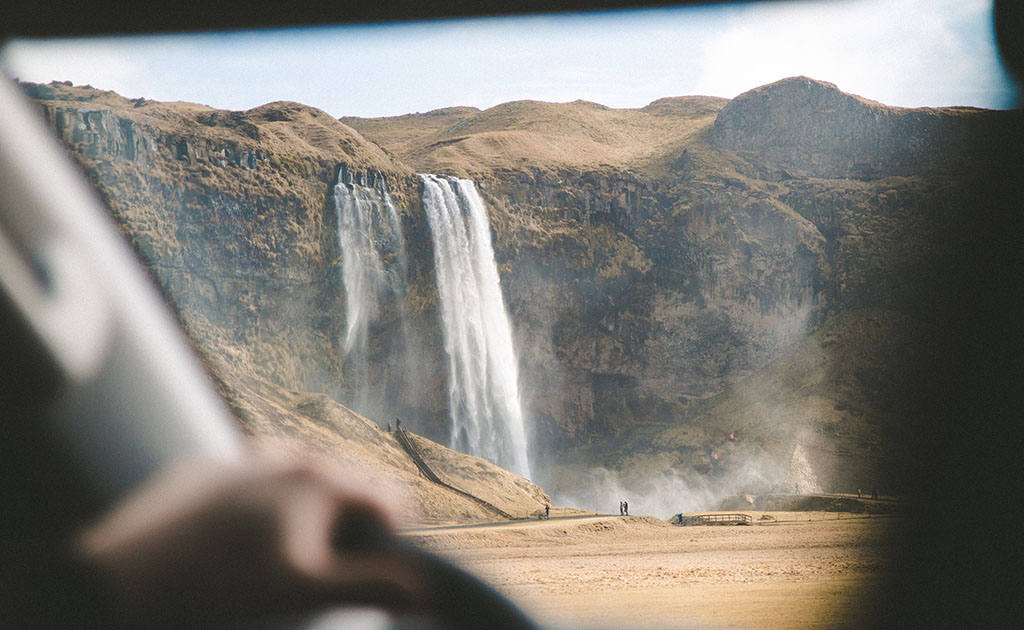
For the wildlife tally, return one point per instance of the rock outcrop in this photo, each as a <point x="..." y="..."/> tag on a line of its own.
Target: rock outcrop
<point x="675" y="273"/>
<point x="799" y="127"/>
<point x="231" y="211"/>
<point x="651" y="275"/>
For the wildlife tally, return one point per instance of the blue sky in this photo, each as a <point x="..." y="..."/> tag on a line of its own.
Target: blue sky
<point x="901" y="52"/>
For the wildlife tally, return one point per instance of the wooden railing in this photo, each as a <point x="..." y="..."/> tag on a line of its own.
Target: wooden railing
<point x="713" y="519"/>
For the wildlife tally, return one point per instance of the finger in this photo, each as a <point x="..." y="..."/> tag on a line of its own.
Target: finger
<point x="319" y="526"/>
<point x="391" y="580"/>
<point x="360" y="528"/>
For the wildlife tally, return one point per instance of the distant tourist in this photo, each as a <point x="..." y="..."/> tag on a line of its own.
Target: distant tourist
<point x="398" y="424"/>
<point x="389" y="427"/>
<point x="625" y="508"/>
<point x="622" y="510"/>
<point x="858" y="493"/>
<point x="547" y="511"/>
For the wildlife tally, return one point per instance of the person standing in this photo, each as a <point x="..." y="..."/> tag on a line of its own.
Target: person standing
<point x="625" y="508"/>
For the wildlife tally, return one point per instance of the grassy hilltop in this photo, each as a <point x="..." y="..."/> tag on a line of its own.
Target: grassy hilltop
<point x="699" y="266"/>
<point x="764" y="266"/>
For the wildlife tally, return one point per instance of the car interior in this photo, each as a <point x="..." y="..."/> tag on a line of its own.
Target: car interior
<point x="80" y="318"/>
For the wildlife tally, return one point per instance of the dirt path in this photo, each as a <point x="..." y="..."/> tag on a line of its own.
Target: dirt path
<point x="642" y="572"/>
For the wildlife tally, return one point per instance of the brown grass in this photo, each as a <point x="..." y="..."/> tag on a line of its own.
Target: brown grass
<point x="541" y="135"/>
<point x="281" y="128"/>
<point x="373" y="456"/>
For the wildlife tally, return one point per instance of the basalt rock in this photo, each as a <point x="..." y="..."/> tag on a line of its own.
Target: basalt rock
<point x="799" y="127"/>
<point x="673" y="273"/>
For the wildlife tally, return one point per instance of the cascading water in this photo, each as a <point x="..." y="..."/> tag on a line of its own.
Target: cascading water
<point x="373" y="271"/>
<point x="801" y="475"/>
<point x="483" y="375"/>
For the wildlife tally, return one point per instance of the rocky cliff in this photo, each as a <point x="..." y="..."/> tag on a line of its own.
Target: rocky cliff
<point x="701" y="267"/>
<point x="675" y="273"/>
<point x="232" y="212"/>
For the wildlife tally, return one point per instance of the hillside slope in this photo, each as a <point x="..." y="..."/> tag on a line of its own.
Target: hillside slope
<point x="533" y="134"/>
<point x="373" y="456"/>
<point x="673" y="273"/>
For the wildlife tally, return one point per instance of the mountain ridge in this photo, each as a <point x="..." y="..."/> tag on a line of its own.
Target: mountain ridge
<point x="554" y="135"/>
<point x="653" y="260"/>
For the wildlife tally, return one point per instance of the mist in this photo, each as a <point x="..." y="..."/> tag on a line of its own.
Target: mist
<point x="670" y="491"/>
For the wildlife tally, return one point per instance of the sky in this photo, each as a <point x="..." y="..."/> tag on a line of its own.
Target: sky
<point x="901" y="52"/>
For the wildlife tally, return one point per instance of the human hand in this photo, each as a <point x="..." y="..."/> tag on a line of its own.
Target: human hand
<point x="211" y="541"/>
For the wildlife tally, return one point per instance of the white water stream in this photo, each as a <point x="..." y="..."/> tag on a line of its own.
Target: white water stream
<point x="483" y="374"/>
<point x="373" y="268"/>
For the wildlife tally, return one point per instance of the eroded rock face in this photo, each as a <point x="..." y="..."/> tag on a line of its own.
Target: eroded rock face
<point x="707" y="286"/>
<point x="802" y="127"/>
<point x="237" y="226"/>
<point x="628" y="310"/>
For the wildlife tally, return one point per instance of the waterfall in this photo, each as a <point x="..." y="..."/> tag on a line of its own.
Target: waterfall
<point x="483" y="374"/>
<point x="374" y="270"/>
<point x="801" y="475"/>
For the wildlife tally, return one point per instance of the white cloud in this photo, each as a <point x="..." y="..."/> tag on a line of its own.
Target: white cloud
<point x="914" y="52"/>
<point x="904" y="53"/>
<point x="79" y="61"/>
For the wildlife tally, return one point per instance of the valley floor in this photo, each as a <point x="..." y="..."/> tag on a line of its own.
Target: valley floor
<point x="804" y="570"/>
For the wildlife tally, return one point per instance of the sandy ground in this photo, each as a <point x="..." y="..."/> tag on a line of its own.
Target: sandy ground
<point x="805" y="570"/>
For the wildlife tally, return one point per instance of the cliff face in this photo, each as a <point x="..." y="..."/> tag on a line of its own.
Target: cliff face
<point x="802" y="127"/>
<point x="675" y="273"/>
<point x="739" y="267"/>
<point x="628" y="309"/>
<point x="232" y="212"/>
